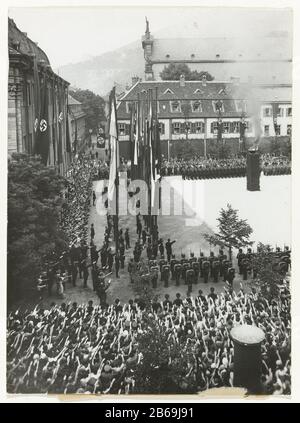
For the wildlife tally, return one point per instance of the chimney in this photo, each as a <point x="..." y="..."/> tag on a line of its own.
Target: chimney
<point x="182" y="80"/>
<point x="203" y="79"/>
<point x="134" y="79"/>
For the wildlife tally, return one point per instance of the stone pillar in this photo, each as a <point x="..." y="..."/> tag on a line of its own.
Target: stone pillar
<point x="247" y="360"/>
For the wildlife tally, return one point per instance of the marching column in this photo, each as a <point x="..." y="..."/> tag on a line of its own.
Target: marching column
<point x="247" y="360"/>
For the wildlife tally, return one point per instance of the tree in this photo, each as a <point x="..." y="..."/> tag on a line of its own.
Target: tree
<point x="173" y="71"/>
<point x="164" y="366"/>
<point x="93" y="105"/>
<point x="268" y="277"/>
<point x="233" y="232"/>
<point x="33" y="231"/>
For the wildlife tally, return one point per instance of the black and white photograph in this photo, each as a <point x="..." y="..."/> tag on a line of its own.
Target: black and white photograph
<point x="149" y="201"/>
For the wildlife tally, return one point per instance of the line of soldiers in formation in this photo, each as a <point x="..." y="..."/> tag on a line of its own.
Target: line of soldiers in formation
<point x="190" y="270"/>
<point x="200" y="168"/>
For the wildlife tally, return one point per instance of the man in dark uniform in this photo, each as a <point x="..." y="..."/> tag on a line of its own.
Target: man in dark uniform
<point x="185" y="267"/>
<point x="127" y="239"/>
<point x="205" y="270"/>
<point x="165" y="275"/>
<point x="196" y="268"/>
<point x="85" y="273"/>
<point x="154" y="276"/>
<point x="245" y="266"/>
<point x="177" y="273"/>
<point x="173" y="261"/>
<point x="161" y="248"/>
<point x="169" y="249"/>
<point x="162" y="262"/>
<point x="130" y="269"/>
<point x="225" y="267"/>
<point x="230" y="276"/>
<point x="122" y="255"/>
<point x="201" y="259"/>
<point x="240" y="256"/>
<point x="211" y="259"/>
<point x="215" y="270"/>
<point x="190" y="279"/>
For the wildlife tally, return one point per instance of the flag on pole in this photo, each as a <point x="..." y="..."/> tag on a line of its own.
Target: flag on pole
<point x="114" y="146"/>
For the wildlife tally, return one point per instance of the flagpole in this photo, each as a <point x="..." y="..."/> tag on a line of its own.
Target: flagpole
<point x="117" y="185"/>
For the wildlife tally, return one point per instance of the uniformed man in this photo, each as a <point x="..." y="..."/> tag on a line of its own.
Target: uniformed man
<point x="169" y="244"/>
<point x="173" y="261"/>
<point x="162" y="262"/>
<point x="215" y="270"/>
<point x="122" y="255"/>
<point x="165" y="273"/>
<point x="190" y="279"/>
<point x="245" y="266"/>
<point x="130" y="269"/>
<point x="205" y="270"/>
<point x="211" y="259"/>
<point x="127" y="239"/>
<point x="185" y="267"/>
<point x="230" y="276"/>
<point x="240" y="256"/>
<point x="200" y="260"/>
<point x="226" y="266"/>
<point x="196" y="268"/>
<point x="177" y="273"/>
<point x="154" y="276"/>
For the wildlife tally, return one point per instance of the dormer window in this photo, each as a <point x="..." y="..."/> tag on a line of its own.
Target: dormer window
<point x="167" y="56"/>
<point x="217" y="56"/>
<point x="168" y="91"/>
<point x="241" y="106"/>
<point x="196" y="106"/>
<point x="175" y="106"/>
<point x="218" y="106"/>
<point x="198" y="91"/>
<point x="192" y="56"/>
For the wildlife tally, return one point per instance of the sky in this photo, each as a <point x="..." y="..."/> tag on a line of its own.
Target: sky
<point x="74" y="34"/>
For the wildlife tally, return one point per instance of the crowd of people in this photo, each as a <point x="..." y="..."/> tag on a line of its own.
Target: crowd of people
<point x="97" y="349"/>
<point x="275" y="165"/>
<point x="91" y="349"/>
<point x="211" y="168"/>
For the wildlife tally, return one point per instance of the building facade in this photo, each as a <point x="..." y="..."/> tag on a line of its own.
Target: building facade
<point x="191" y="111"/>
<point x="37" y="103"/>
<point x="262" y="60"/>
<point x="77" y="123"/>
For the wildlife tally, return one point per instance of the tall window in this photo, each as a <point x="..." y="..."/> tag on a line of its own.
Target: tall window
<point x="198" y="128"/>
<point x="267" y="130"/>
<point x="278" y="129"/>
<point x="176" y="128"/>
<point x="161" y="128"/>
<point x="280" y="112"/>
<point x="235" y="127"/>
<point x="289" y="130"/>
<point x="175" y="106"/>
<point x="289" y="111"/>
<point x="122" y="128"/>
<point x="214" y="127"/>
<point x="226" y="127"/>
<point x="267" y="112"/>
<point x="196" y="106"/>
